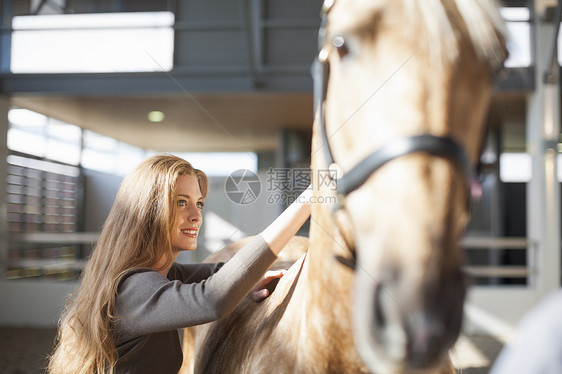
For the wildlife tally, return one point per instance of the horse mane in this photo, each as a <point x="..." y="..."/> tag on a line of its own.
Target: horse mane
<point x="448" y="22"/>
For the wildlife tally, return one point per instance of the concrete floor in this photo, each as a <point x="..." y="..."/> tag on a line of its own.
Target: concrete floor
<point x="475" y="354"/>
<point x="24" y="351"/>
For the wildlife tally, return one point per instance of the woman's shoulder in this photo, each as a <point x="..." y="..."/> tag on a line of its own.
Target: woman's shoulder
<point x="138" y="276"/>
<point x="193" y="272"/>
<point x="149" y="278"/>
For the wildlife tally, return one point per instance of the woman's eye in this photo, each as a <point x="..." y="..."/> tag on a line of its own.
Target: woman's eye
<point x="341" y="46"/>
<point x="182" y="203"/>
<point x="200" y="204"/>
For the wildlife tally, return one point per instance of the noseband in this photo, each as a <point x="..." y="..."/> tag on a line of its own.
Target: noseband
<point x="439" y="146"/>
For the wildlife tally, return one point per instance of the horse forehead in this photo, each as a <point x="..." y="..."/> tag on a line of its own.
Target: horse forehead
<point x="359" y="7"/>
<point x="347" y="14"/>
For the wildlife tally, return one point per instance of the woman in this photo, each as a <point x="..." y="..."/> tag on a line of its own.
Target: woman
<point x="133" y="297"/>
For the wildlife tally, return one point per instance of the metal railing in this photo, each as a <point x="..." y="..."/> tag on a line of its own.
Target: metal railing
<point x="475" y="243"/>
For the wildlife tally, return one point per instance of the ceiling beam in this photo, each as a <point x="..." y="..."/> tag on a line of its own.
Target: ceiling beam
<point x="143" y="83"/>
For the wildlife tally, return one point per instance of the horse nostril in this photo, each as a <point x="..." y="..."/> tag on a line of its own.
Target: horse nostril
<point x="387" y="327"/>
<point x="380" y="320"/>
<point x="387" y="310"/>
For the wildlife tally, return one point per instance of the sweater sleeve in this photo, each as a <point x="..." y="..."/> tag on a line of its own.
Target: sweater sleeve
<point x="148" y="303"/>
<point x="193" y="273"/>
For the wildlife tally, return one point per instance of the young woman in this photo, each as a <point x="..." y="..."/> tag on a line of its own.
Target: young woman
<point x="133" y="297"/>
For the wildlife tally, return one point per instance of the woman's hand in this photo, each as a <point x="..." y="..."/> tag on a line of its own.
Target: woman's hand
<point x="267" y="285"/>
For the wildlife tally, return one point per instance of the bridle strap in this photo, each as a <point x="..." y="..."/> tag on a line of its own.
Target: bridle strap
<point x="428" y="144"/>
<point x="320" y="73"/>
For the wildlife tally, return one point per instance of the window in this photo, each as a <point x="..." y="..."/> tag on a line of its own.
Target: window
<point x="93" y="43"/>
<point x="519" y="44"/>
<point x="45" y="192"/>
<point x="64" y="142"/>
<point x="42" y="197"/>
<point x="222" y="164"/>
<point x="108" y="155"/>
<point x="38" y="135"/>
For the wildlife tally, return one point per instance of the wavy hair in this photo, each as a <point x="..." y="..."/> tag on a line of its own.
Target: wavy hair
<point x="136" y="234"/>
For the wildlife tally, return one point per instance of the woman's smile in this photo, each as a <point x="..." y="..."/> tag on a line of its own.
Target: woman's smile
<point x="192" y="233"/>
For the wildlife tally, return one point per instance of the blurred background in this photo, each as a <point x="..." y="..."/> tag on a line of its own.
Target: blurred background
<point x="88" y="89"/>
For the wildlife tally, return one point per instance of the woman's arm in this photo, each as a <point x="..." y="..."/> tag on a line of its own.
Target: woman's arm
<point x="280" y="231"/>
<point x="193" y="273"/>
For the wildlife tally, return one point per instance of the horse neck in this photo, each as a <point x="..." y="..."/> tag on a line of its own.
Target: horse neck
<point x="325" y="291"/>
<point x="325" y="275"/>
<point x="328" y="283"/>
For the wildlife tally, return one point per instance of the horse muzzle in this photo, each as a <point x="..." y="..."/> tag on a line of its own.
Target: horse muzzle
<point x="401" y="327"/>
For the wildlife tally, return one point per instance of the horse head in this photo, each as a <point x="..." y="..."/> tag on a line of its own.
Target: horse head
<point x="405" y="90"/>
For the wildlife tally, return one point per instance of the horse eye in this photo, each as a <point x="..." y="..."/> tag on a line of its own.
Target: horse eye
<point x="341" y="47"/>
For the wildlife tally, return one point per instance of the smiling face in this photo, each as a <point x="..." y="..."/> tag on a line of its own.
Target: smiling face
<point x="188" y="217"/>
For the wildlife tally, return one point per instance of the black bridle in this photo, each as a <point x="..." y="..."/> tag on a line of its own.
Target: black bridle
<point x="440" y="146"/>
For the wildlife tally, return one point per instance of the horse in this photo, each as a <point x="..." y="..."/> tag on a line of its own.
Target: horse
<point x="402" y="92"/>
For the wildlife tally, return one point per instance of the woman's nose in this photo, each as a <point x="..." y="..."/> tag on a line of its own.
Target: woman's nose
<point x="195" y="215"/>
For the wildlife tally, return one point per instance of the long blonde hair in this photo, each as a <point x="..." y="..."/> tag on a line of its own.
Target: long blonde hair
<point x="136" y="234"/>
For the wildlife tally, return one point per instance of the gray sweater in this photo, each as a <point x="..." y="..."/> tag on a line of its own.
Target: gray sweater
<point x="150" y="308"/>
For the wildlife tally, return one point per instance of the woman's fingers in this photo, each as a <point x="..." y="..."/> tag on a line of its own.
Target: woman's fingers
<point x="272" y="274"/>
<point x="260" y="295"/>
<point x="267" y="285"/>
